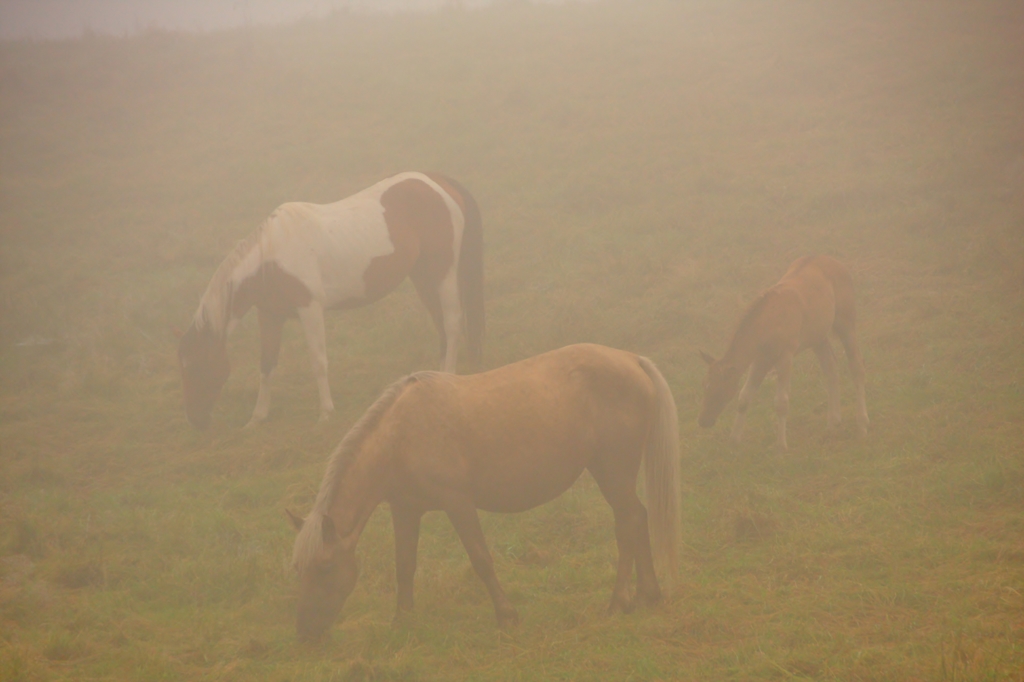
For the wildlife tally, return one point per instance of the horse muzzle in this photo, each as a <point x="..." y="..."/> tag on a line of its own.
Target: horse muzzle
<point x="198" y="420"/>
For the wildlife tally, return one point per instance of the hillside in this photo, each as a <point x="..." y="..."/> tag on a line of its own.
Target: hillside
<point x="643" y="170"/>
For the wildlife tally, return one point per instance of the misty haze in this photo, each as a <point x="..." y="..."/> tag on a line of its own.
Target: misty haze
<point x="510" y="340"/>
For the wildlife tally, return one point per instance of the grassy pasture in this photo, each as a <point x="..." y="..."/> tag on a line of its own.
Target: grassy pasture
<point x="643" y="170"/>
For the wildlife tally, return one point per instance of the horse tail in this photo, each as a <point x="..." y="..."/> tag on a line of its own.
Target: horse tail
<point x="470" y="271"/>
<point x="661" y="473"/>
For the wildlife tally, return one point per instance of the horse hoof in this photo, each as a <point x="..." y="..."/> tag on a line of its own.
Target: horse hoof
<point x="508" y="619"/>
<point x="253" y="424"/>
<point x="649" y="600"/>
<point x="621" y="606"/>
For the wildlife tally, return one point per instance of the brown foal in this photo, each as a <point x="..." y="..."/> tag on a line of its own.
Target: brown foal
<point x="813" y="298"/>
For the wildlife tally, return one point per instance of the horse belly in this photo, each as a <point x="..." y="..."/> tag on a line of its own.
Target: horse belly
<point x="352" y="239"/>
<point x="531" y="482"/>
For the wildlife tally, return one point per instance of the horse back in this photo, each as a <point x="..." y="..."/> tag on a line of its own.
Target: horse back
<point x="355" y="251"/>
<point x="517" y="436"/>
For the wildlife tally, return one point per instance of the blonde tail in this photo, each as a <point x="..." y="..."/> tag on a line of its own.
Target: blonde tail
<point x="661" y="469"/>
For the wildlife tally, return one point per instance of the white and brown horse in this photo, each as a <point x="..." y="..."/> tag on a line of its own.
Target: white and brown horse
<point x="813" y="298"/>
<point x="504" y="441"/>
<point x="308" y="258"/>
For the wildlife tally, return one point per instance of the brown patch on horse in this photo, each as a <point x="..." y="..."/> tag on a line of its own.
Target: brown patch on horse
<point x="273" y="290"/>
<point x="420" y="227"/>
<point x="449" y="189"/>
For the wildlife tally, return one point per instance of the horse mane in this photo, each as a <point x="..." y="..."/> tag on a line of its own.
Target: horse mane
<point x="213" y="306"/>
<point x="749" y="315"/>
<point x="758" y="304"/>
<point x="310" y="542"/>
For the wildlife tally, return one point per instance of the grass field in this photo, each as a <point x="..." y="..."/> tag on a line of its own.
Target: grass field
<point x="643" y="170"/>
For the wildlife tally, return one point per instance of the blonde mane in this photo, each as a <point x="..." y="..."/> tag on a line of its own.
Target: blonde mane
<point x="216" y="301"/>
<point x="309" y="543"/>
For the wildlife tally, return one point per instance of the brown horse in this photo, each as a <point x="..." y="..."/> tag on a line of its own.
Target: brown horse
<point x="505" y="441"/>
<point x="814" y="297"/>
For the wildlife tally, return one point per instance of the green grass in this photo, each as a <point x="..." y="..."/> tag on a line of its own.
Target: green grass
<point x="643" y="170"/>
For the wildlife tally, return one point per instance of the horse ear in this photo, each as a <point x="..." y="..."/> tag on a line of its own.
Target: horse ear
<point x="330" y="533"/>
<point x="297" y="521"/>
<point x="707" y="358"/>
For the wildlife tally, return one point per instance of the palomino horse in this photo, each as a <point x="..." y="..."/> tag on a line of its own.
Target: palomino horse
<point x="814" y="297"/>
<point x="307" y="258"/>
<point x="505" y="441"/>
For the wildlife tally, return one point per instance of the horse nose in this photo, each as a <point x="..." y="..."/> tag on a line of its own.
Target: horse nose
<point x="198" y="421"/>
<point x="309" y="633"/>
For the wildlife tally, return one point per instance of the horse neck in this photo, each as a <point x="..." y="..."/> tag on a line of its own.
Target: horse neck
<point x="216" y="304"/>
<point x="359" y="490"/>
<point x="747" y="338"/>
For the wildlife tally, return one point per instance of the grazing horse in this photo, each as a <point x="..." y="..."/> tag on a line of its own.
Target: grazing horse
<point x="307" y="258"/>
<point x="814" y="297"/>
<point x="504" y="441"/>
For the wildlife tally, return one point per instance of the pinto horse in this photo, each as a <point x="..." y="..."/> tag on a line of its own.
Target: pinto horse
<point x="504" y="441"/>
<point x="307" y="258"/>
<point x="813" y="298"/>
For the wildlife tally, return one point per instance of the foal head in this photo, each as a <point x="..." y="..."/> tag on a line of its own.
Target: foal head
<point x="203" y="361"/>
<point x="721" y="385"/>
<point x="327" y="576"/>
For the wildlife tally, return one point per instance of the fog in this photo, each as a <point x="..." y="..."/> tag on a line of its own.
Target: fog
<point x="643" y="170"/>
<point x="54" y="19"/>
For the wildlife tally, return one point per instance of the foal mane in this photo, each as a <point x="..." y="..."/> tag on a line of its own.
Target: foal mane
<point x="213" y="307"/>
<point x="758" y="304"/>
<point x="310" y="542"/>
<point x="749" y="315"/>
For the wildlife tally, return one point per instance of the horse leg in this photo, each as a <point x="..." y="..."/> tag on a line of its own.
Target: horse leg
<point x="312" y="318"/>
<point x="747" y="393"/>
<point x="848" y="336"/>
<point x="428" y="291"/>
<point x="406" y="523"/>
<point x="827" y="360"/>
<point x="784" y="371"/>
<point x="451" y="311"/>
<point x="467" y="524"/>
<point x="271" y="327"/>
<point x="618" y="486"/>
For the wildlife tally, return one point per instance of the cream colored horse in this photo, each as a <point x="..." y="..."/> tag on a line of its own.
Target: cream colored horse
<point x="308" y="258"/>
<point x="813" y="298"/>
<point x="505" y="441"/>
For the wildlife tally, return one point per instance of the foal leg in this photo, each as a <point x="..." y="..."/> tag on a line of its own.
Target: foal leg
<point x="312" y="318"/>
<point x="747" y="393"/>
<point x="467" y="524"/>
<point x="848" y="337"/>
<point x="784" y="370"/>
<point x="270" y="347"/>
<point x="827" y="360"/>
<point x="406" y="523"/>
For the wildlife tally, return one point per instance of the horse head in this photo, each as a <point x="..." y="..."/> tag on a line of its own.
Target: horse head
<point x="203" y="361"/>
<point x="326" y="579"/>
<point x="721" y="385"/>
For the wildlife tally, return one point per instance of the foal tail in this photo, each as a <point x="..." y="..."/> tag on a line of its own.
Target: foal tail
<point x="470" y="272"/>
<point x="661" y="470"/>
